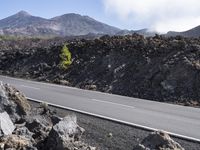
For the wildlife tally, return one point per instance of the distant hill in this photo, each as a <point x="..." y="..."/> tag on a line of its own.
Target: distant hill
<point x="194" y="32"/>
<point x="24" y="24"/>
<point x="144" y="32"/>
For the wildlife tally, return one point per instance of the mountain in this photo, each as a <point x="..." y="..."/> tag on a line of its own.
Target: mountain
<point x="194" y="32"/>
<point x="24" y="24"/>
<point x="74" y="24"/>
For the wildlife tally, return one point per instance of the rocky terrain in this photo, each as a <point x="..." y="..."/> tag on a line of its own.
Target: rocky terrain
<point x="26" y="128"/>
<point x="32" y="126"/>
<point x="154" y="68"/>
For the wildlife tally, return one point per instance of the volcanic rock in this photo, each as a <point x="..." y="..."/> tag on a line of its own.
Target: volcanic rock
<point x="66" y="135"/>
<point x="16" y="142"/>
<point x="40" y="126"/>
<point x="158" y="141"/>
<point x="154" y="68"/>
<point x="6" y="125"/>
<point x="13" y="102"/>
<point x="19" y="98"/>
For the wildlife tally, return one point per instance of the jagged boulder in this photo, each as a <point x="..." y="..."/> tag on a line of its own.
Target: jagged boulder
<point x="19" y="98"/>
<point x="6" y="125"/>
<point x="40" y="126"/>
<point x="158" y="141"/>
<point x="65" y="135"/>
<point x="13" y="102"/>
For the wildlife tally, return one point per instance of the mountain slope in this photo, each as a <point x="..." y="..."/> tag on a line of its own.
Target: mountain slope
<point x="194" y="32"/>
<point x="20" y="19"/>
<point x="74" y="24"/>
<point x="24" y="24"/>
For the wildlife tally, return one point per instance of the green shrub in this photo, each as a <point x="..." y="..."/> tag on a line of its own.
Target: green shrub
<point x="65" y="57"/>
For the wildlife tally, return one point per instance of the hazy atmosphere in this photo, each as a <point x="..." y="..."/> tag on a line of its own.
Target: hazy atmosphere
<point x="159" y="15"/>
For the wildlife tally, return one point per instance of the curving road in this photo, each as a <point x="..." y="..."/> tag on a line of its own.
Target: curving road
<point x="176" y="120"/>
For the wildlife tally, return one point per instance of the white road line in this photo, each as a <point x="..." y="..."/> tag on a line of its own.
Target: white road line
<point x="117" y="120"/>
<point x="113" y="103"/>
<point x="30" y="87"/>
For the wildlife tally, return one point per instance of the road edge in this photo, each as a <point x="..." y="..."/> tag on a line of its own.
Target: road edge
<point x="117" y="120"/>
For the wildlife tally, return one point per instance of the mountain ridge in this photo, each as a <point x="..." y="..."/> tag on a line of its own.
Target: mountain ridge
<point x="24" y="24"/>
<point x="194" y="32"/>
<point x="71" y="24"/>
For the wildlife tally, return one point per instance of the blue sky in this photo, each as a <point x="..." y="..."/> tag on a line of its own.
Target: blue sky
<point x="159" y="15"/>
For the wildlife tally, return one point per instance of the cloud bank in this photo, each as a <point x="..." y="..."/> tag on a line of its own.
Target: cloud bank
<point x="159" y="15"/>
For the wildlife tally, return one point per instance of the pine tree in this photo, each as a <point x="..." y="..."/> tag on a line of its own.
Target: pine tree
<point x="65" y="57"/>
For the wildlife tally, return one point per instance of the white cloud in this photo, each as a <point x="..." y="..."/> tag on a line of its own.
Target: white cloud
<point x="161" y="15"/>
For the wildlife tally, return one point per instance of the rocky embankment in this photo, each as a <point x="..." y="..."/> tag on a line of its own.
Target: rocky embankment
<point x="24" y="127"/>
<point x="155" y="68"/>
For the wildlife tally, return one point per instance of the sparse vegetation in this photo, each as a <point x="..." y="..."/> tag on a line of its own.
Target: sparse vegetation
<point x="65" y="58"/>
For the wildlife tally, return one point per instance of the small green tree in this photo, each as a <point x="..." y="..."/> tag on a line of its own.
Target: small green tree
<point x="65" y="57"/>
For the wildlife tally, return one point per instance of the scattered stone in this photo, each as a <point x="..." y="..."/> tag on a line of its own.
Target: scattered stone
<point x="110" y="135"/>
<point x="91" y="87"/>
<point x="158" y="141"/>
<point x="63" y="82"/>
<point x="45" y="107"/>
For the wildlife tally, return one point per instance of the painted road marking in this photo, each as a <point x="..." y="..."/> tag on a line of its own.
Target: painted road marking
<point x="30" y="87"/>
<point x="113" y="103"/>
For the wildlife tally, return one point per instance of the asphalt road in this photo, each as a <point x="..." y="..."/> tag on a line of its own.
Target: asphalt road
<point x="175" y="119"/>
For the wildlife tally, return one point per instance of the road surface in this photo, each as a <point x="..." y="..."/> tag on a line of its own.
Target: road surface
<point x="175" y="119"/>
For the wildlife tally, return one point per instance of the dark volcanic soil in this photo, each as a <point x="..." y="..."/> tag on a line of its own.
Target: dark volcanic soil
<point x="123" y="137"/>
<point x="154" y="68"/>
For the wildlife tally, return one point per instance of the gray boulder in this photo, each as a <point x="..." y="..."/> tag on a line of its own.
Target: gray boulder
<point x="66" y="134"/>
<point x="18" y="98"/>
<point x="158" y="141"/>
<point x="40" y="126"/>
<point x="13" y="102"/>
<point x="6" y="125"/>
